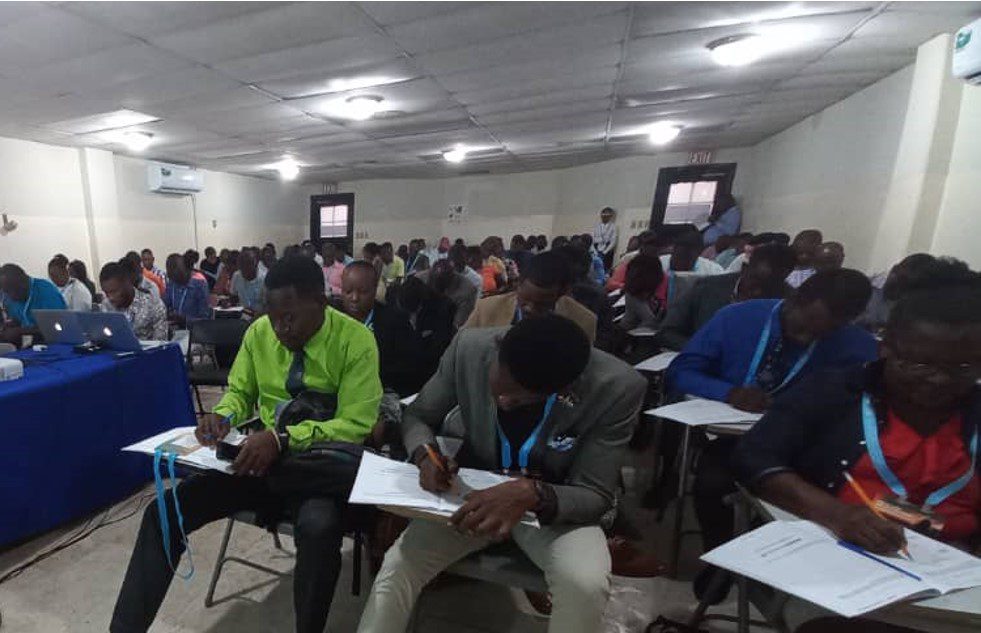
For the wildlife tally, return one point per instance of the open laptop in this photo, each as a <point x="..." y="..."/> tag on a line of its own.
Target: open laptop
<point x="60" y="326"/>
<point x="112" y="330"/>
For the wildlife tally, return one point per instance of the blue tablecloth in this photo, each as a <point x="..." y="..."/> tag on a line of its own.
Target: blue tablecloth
<point x="63" y="423"/>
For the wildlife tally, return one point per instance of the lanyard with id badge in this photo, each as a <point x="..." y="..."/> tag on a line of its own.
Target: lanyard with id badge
<point x="761" y="346"/>
<point x="524" y="453"/>
<point x="897" y="506"/>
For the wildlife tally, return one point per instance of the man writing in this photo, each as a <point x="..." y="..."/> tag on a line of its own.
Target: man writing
<point x="543" y="289"/>
<point x="300" y="345"/>
<point x="21" y="295"/>
<point x="186" y="298"/>
<point x="535" y="400"/>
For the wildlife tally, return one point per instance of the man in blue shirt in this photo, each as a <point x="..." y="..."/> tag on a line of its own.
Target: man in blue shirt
<point x="750" y="351"/>
<point x="21" y="295"/>
<point x="725" y="219"/>
<point x="186" y="299"/>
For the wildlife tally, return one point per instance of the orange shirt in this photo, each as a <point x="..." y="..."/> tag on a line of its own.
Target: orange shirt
<point x="156" y="280"/>
<point x="924" y="464"/>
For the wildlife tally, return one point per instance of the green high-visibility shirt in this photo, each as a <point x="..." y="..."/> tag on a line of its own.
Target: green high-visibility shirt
<point x="341" y="358"/>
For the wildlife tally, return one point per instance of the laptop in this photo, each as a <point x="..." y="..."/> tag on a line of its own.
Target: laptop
<point x="60" y="326"/>
<point x="112" y="330"/>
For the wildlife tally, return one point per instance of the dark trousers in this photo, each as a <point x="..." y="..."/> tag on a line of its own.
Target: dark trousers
<point x="608" y="261"/>
<point x="318" y="530"/>
<point x="714" y="481"/>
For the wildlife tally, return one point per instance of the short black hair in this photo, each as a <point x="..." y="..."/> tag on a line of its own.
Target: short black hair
<point x="12" y="270"/>
<point x="363" y="265"/>
<point x="130" y="266"/>
<point x="134" y="257"/>
<point x="845" y="291"/>
<point x="559" y="241"/>
<point x="549" y="270"/>
<point x="954" y="302"/>
<point x="644" y="275"/>
<point x="191" y="258"/>
<point x="921" y="271"/>
<point x="114" y="270"/>
<point x="578" y="259"/>
<point x="779" y="257"/>
<point x="545" y="354"/>
<point x="209" y="251"/>
<point x="690" y="242"/>
<point x="372" y="249"/>
<point x="145" y="251"/>
<point x="58" y="261"/>
<point x="297" y="272"/>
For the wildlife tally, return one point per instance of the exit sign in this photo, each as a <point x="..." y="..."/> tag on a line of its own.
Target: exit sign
<point x="700" y="158"/>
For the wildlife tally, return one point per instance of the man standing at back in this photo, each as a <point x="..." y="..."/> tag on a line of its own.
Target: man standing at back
<point x="605" y="236"/>
<point x="543" y="289"/>
<point x="302" y="346"/>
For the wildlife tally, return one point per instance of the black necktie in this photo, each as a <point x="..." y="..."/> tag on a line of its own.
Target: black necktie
<point x="294" y="379"/>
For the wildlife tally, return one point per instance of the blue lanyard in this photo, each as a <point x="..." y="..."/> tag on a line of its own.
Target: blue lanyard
<point x="369" y="322"/>
<point x="162" y="511"/>
<point x="870" y="427"/>
<point x="525" y="451"/>
<point x="761" y="346"/>
<point x="518" y="314"/>
<point x="173" y="298"/>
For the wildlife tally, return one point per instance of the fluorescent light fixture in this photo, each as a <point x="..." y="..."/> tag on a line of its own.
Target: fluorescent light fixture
<point x="288" y="168"/>
<point x="663" y="132"/>
<point x="343" y="84"/>
<point x="739" y="50"/>
<point x="359" y="108"/>
<point x="136" y="141"/>
<point x="456" y="155"/>
<point x="103" y="122"/>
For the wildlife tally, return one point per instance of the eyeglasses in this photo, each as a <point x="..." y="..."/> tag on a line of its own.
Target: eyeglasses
<point x="957" y="371"/>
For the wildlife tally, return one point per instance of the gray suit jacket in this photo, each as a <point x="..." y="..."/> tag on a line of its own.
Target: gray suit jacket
<point x="694" y="308"/>
<point x="582" y="445"/>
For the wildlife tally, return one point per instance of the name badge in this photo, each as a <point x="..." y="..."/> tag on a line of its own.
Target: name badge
<point x="562" y="443"/>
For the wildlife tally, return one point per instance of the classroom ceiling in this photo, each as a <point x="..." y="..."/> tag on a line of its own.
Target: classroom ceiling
<point x="235" y="86"/>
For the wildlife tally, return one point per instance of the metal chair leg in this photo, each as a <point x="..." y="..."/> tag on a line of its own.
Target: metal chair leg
<point x="219" y="563"/>
<point x="685" y="458"/>
<point x="197" y="395"/>
<point x="356" y="569"/>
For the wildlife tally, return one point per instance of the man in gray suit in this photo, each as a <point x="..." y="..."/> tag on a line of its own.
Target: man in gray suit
<point x="537" y="401"/>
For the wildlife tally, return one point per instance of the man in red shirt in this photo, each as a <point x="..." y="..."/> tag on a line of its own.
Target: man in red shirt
<point x="906" y="429"/>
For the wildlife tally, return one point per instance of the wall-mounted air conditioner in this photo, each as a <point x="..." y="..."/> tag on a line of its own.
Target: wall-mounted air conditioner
<point x="181" y="179"/>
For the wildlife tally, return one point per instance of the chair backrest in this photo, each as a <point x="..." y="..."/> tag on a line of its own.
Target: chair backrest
<point x="6" y="348"/>
<point x="224" y="334"/>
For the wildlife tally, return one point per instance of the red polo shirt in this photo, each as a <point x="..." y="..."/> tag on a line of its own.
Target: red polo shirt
<point x="924" y="464"/>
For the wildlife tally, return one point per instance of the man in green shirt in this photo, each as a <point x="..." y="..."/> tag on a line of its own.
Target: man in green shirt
<point x="300" y="345"/>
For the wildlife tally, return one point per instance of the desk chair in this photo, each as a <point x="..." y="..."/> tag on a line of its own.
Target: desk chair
<point x="283" y="527"/>
<point x="222" y="338"/>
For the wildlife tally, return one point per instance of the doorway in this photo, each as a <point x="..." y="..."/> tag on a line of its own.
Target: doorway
<point x="686" y="195"/>
<point x="332" y="220"/>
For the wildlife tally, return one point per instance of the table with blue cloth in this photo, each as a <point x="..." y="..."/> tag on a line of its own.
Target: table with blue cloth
<point x="63" y="424"/>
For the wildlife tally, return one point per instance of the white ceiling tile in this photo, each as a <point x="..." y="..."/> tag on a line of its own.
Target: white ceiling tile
<point x="319" y="83"/>
<point x="226" y="100"/>
<point x="411" y="96"/>
<point x="420" y="123"/>
<point x="559" y="42"/>
<point x="545" y="114"/>
<point x="155" y="18"/>
<point x="146" y="91"/>
<point x="964" y="9"/>
<point x="591" y="84"/>
<point x="668" y="17"/>
<point x="852" y="80"/>
<point x="486" y="22"/>
<point x="333" y="55"/>
<point x="282" y="27"/>
<point x="572" y="67"/>
<point x="389" y="13"/>
<point x="547" y="99"/>
<point x="913" y="26"/>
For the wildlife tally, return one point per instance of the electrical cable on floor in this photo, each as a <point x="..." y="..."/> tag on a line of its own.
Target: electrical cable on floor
<point x="93" y="524"/>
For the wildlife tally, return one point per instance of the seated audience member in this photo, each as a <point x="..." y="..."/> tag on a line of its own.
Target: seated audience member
<point x="149" y="264"/>
<point x="685" y="257"/>
<point x="210" y="267"/>
<point x="80" y="272"/>
<point x="76" y="295"/>
<point x="519" y="253"/>
<point x="507" y="384"/>
<point x="186" y="298"/>
<point x="267" y="258"/>
<point x="417" y="260"/>
<point x="403" y="252"/>
<point x="431" y="317"/>
<point x="904" y="427"/>
<point x="647" y="242"/>
<point x="492" y="269"/>
<point x="724" y="220"/>
<point x="145" y="312"/>
<point x="248" y="284"/>
<point x="829" y="256"/>
<point x="444" y="280"/>
<point x="333" y="268"/>
<point x="191" y="258"/>
<point x="21" y="295"/>
<point x="805" y="244"/>
<point x="510" y="266"/>
<point x="543" y="290"/>
<point x="729" y="247"/>
<point x="464" y="258"/>
<point x="393" y="266"/>
<point x="750" y="351"/>
<point x="755" y="241"/>
<point x="399" y="348"/>
<point x="644" y="308"/>
<point x="597" y="266"/>
<point x="301" y="346"/>
<point x="584" y="289"/>
<point x="229" y="266"/>
<point x="762" y="278"/>
<point x="138" y="275"/>
<point x="559" y="241"/>
<point x="442" y="250"/>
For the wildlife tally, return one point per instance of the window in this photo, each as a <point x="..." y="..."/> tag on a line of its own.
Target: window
<point x="690" y="202"/>
<point x="333" y="221"/>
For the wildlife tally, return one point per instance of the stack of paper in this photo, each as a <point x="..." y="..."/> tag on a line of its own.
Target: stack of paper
<point x="386" y="482"/>
<point x="803" y="559"/>
<point x="642" y="332"/>
<point x="701" y="412"/>
<point x="189" y="452"/>
<point x="658" y="362"/>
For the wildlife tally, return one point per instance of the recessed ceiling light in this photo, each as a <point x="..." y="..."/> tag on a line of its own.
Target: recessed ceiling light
<point x="738" y="50"/>
<point x="133" y="140"/>
<point x="456" y="155"/>
<point x="103" y="122"/>
<point x="358" y="108"/>
<point x="288" y="168"/>
<point x="663" y="132"/>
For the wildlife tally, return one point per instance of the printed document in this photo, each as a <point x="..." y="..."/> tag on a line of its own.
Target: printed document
<point x="189" y="453"/>
<point x="701" y="412"/>
<point x="658" y="362"/>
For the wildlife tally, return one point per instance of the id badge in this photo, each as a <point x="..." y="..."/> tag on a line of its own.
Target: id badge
<point x="909" y="514"/>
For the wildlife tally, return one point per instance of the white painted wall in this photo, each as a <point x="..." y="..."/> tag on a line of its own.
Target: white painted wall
<point x="832" y="170"/>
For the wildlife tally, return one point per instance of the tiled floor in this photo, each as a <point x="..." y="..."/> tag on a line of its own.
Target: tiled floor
<point x="74" y="590"/>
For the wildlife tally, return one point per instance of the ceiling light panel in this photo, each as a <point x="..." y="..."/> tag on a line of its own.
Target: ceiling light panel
<point x="105" y="121"/>
<point x="322" y="83"/>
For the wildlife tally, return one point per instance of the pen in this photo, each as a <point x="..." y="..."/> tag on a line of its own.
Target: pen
<point x="434" y="457"/>
<point x="859" y="550"/>
<point x="868" y="503"/>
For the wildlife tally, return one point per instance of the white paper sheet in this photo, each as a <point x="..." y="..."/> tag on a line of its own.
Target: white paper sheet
<point x="386" y="482"/>
<point x="642" y="332"/>
<point x="183" y="437"/>
<point x="406" y="401"/>
<point x="701" y="412"/>
<point x="658" y="362"/>
<point x="621" y="302"/>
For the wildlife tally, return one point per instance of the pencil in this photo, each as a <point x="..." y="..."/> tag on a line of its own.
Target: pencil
<point x="871" y="506"/>
<point x="434" y="457"/>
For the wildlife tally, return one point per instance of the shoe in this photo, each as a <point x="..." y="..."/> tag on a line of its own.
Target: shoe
<point x="631" y="561"/>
